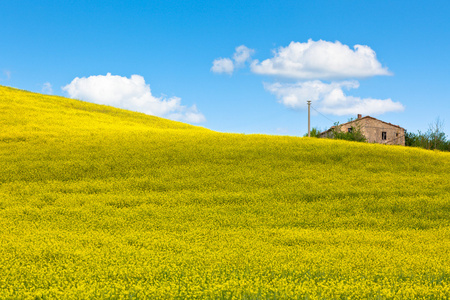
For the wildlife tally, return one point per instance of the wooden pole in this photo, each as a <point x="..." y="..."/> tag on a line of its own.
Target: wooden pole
<point x="309" y="118"/>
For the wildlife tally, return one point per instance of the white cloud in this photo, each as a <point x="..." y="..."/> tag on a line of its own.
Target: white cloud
<point x="321" y="60"/>
<point x="47" y="88"/>
<point x="312" y="62"/>
<point x="329" y="98"/>
<point x="223" y="65"/>
<point x="132" y="94"/>
<point x="241" y="55"/>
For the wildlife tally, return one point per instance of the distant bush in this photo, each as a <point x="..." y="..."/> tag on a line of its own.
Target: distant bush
<point x="433" y="139"/>
<point x="315" y="132"/>
<point x="354" y="134"/>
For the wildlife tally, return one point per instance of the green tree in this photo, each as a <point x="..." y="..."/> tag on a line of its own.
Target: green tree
<point x="433" y="138"/>
<point x="314" y="132"/>
<point x="411" y="139"/>
<point x="436" y="136"/>
<point x="354" y="134"/>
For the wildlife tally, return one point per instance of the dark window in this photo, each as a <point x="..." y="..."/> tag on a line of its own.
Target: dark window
<point x="383" y="135"/>
<point x="350" y="129"/>
<point x="396" y="134"/>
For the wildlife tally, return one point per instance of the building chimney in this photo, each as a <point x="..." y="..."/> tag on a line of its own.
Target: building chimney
<point x="359" y="116"/>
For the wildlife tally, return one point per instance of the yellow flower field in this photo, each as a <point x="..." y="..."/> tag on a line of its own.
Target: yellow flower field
<point x="102" y="203"/>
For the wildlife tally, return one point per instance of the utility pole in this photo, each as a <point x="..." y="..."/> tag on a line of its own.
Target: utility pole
<point x="309" y="118"/>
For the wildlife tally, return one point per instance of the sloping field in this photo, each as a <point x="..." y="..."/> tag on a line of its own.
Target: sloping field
<point x="97" y="202"/>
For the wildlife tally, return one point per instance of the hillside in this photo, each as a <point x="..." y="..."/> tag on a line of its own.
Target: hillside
<point x="98" y="202"/>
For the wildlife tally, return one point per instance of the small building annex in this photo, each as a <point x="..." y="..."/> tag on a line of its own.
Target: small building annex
<point x="375" y="131"/>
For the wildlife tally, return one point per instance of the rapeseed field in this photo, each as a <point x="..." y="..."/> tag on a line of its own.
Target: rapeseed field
<point x="102" y="203"/>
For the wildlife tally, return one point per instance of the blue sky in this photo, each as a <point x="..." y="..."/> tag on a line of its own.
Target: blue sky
<point x="292" y="50"/>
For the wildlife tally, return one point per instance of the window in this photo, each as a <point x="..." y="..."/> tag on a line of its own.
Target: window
<point x="383" y="135"/>
<point x="350" y="129"/>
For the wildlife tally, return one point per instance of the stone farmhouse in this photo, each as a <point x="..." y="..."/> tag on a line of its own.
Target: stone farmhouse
<point x="375" y="131"/>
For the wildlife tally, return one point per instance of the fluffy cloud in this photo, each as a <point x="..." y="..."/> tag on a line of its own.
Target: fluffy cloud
<point x="329" y="98"/>
<point x="132" y="94"/>
<point x="223" y="65"/>
<point x="47" y="88"/>
<point x="241" y="55"/>
<point x="307" y="65"/>
<point x="321" y="60"/>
